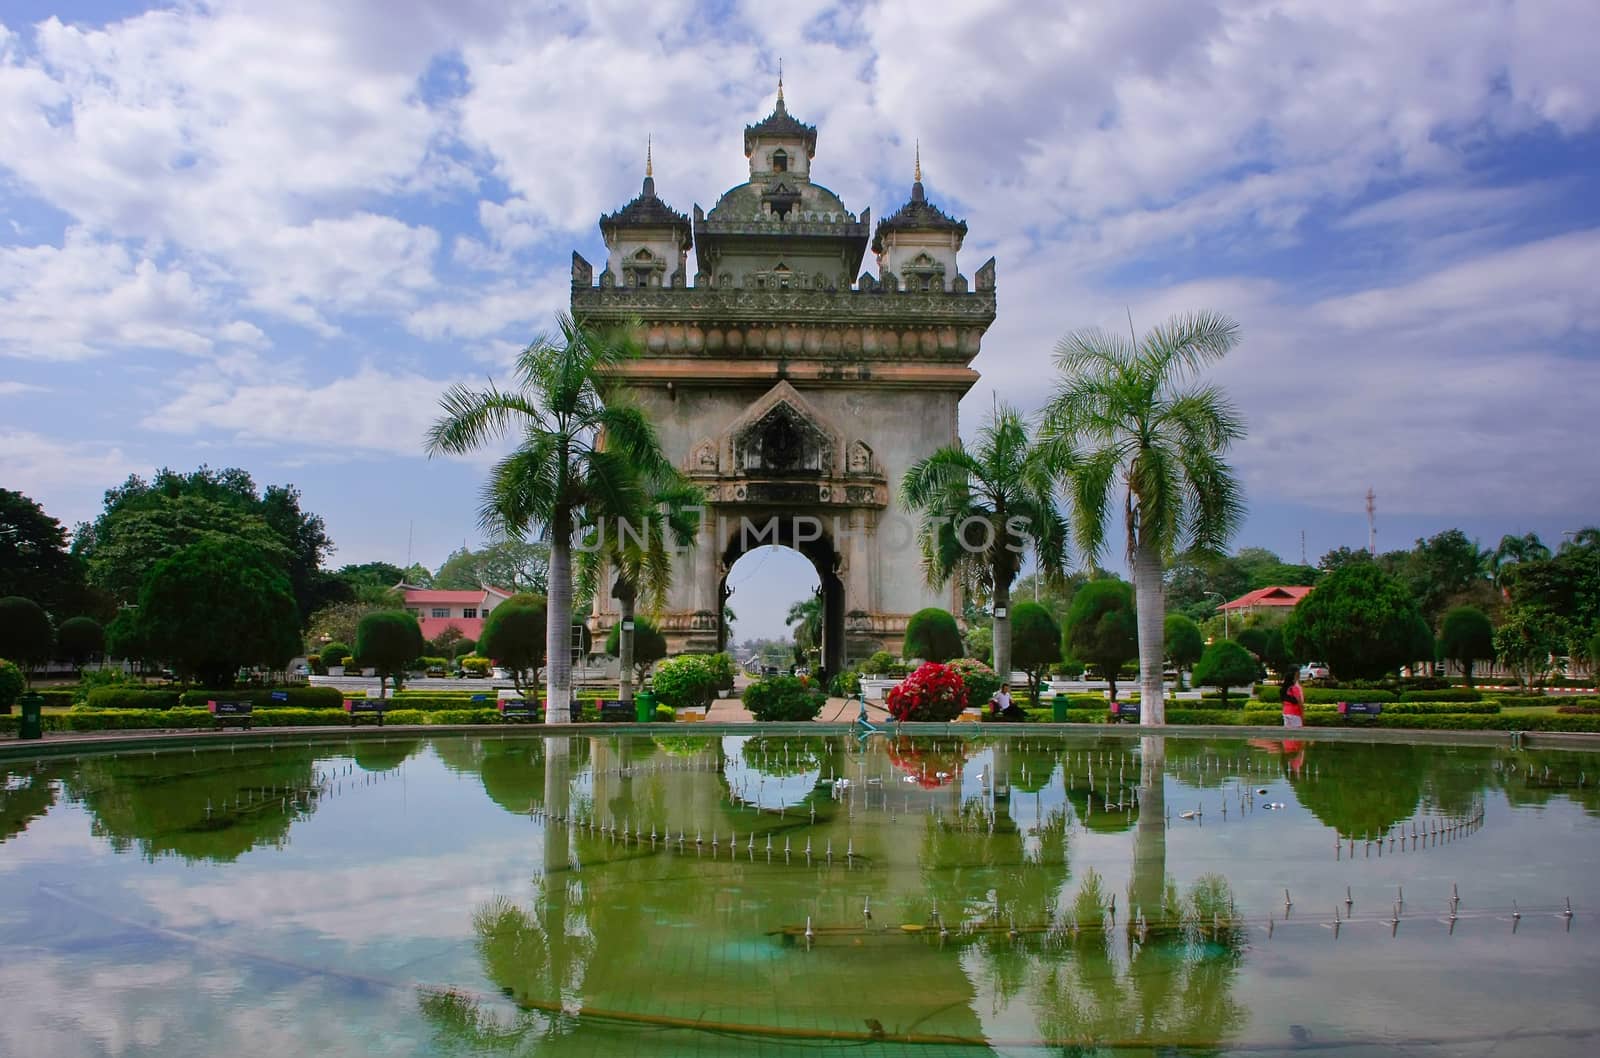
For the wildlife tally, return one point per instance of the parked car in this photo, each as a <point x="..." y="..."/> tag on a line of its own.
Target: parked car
<point x="1314" y="670"/>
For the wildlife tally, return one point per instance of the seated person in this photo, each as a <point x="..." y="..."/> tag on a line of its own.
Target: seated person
<point x="1002" y="708"/>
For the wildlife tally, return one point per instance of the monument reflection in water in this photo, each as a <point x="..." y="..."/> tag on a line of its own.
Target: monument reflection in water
<point x="773" y="894"/>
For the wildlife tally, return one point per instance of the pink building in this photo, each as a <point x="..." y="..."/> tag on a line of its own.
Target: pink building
<point x="1274" y="598"/>
<point x="438" y="610"/>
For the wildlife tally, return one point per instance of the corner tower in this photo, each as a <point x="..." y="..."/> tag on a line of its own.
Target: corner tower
<point x="793" y="386"/>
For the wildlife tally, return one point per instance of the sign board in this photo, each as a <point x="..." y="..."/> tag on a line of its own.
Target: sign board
<point x="217" y="707"/>
<point x="1360" y="708"/>
<point x="1125" y="710"/>
<point x="280" y="696"/>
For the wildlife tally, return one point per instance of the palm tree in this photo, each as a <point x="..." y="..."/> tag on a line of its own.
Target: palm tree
<point x="1514" y="550"/>
<point x="805" y="617"/>
<point x="639" y="547"/>
<point x="982" y="509"/>
<point x="579" y="458"/>
<point x="1126" y="423"/>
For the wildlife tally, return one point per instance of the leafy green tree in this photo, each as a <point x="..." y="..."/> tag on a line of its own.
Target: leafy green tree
<point x="389" y="641"/>
<point x="1594" y="655"/>
<point x="1035" y="643"/>
<point x="1226" y="664"/>
<point x="79" y="639"/>
<point x="368" y="586"/>
<point x="649" y="645"/>
<point x="511" y="565"/>
<point x="1341" y="557"/>
<point x="1466" y="636"/>
<point x="515" y="635"/>
<point x="125" y="638"/>
<point x="932" y="635"/>
<point x="579" y="458"/>
<point x="1526" y="640"/>
<point x="1102" y="629"/>
<point x="27" y="634"/>
<point x="1266" y="641"/>
<point x="1360" y="620"/>
<point x="145" y="521"/>
<point x="979" y="643"/>
<point x="1566" y="585"/>
<point x="1184" y="643"/>
<point x="1130" y="428"/>
<point x="34" y="561"/>
<point x="215" y="606"/>
<point x="1443" y="567"/>
<point x="982" y="510"/>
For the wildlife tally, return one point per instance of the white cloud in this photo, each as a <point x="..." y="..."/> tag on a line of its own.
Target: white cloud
<point x="15" y="389"/>
<point x="369" y="411"/>
<point x="72" y="474"/>
<point x="89" y="296"/>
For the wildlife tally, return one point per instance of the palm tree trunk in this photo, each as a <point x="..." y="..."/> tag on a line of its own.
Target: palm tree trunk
<point x="1149" y="874"/>
<point x="625" y="643"/>
<point x="1151" y="604"/>
<point x="558" y="628"/>
<point x="1002" y="627"/>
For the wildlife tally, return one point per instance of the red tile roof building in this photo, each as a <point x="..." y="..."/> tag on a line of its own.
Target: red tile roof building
<point x="1273" y="598"/>
<point x="438" y="610"/>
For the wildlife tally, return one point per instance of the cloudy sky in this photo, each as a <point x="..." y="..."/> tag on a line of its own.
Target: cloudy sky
<point x="268" y="235"/>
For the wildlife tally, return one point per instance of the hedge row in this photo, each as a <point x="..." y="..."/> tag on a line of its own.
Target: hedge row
<point x="296" y="698"/>
<point x="1450" y="694"/>
<point x="1271" y="693"/>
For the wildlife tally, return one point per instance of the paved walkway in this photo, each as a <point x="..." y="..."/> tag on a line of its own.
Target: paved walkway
<point x="836" y="710"/>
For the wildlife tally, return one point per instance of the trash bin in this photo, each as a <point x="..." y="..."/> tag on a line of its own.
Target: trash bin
<point x="32" y="725"/>
<point x="644" y="705"/>
<point x="1058" y="709"/>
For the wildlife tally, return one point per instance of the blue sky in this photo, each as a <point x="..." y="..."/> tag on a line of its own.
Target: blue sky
<point x="269" y="235"/>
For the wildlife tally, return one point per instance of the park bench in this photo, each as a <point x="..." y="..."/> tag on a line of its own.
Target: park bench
<point x="1125" y="712"/>
<point x="518" y="709"/>
<point x="230" y="711"/>
<point x="1349" y="709"/>
<point x="368" y="707"/>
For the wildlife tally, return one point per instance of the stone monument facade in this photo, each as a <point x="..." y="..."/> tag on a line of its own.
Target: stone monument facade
<point x="795" y="387"/>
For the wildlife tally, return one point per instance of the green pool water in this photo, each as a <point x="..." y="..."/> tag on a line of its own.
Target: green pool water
<point x="626" y="895"/>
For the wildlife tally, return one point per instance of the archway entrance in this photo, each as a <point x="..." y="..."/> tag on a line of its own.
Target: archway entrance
<point x="798" y="536"/>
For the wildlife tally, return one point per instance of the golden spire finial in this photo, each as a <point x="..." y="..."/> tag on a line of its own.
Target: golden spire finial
<point x="916" y="175"/>
<point x="780" y="82"/>
<point x="649" y="166"/>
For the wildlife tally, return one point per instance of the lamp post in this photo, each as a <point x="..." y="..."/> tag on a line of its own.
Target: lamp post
<point x="1218" y="594"/>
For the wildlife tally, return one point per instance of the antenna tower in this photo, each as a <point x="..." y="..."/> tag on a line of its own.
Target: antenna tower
<point x="1372" y="522"/>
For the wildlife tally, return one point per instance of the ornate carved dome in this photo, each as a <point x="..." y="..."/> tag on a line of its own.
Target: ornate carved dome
<point x="647" y="211"/>
<point x="918" y="215"/>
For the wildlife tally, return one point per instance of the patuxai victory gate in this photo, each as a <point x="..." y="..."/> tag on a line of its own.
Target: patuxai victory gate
<point x="792" y="384"/>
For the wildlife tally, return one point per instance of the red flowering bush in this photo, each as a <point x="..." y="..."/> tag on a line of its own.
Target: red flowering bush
<point x="934" y="692"/>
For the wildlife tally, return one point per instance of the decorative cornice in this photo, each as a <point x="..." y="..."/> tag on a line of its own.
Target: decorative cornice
<point x="843" y="307"/>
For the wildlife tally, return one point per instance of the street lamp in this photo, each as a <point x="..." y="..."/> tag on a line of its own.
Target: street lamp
<point x="1218" y="594"/>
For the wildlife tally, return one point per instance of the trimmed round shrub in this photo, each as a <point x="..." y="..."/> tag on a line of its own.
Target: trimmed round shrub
<point x="472" y="665"/>
<point x="934" y="692"/>
<point x="881" y="663"/>
<point x="684" y="682"/>
<point x="783" y="698"/>
<point x="389" y="641"/>
<point x="514" y="636"/>
<point x="462" y="647"/>
<point x="335" y="653"/>
<point x="26" y="634"/>
<point x="11" y="685"/>
<point x="1226" y="664"/>
<point x="932" y="635"/>
<point x="79" y="639"/>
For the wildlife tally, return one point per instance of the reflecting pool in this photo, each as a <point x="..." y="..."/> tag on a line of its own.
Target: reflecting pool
<point x="770" y="895"/>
